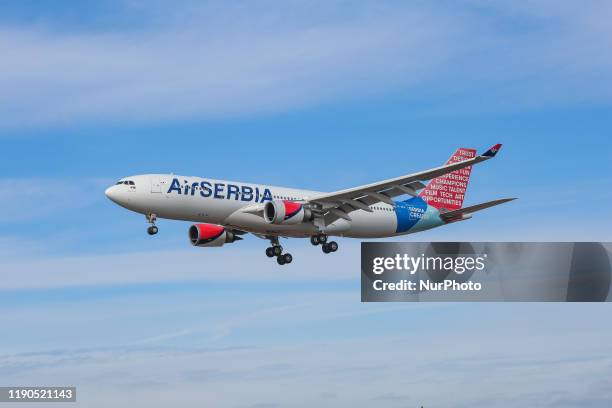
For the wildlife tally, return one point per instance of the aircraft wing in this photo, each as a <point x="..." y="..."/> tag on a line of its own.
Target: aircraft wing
<point x="339" y="204"/>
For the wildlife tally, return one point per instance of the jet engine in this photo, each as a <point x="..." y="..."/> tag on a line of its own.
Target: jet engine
<point x="286" y="212"/>
<point x="211" y="235"/>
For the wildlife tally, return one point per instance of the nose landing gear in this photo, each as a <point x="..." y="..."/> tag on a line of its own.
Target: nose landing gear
<point x="151" y="218"/>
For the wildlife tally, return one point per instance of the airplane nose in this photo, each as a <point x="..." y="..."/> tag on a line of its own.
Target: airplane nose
<point x="111" y="193"/>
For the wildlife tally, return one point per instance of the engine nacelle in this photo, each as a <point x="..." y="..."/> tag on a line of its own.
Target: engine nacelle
<point x="210" y="235"/>
<point x="286" y="212"/>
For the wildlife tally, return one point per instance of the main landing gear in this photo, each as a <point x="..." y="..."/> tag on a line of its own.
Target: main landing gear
<point x="327" y="247"/>
<point x="330" y="247"/>
<point x="277" y="251"/>
<point x="151" y="218"/>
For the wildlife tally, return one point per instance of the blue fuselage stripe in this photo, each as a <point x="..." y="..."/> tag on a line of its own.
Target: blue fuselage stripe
<point x="409" y="212"/>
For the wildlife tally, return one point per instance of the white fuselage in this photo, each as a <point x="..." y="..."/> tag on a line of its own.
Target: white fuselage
<point x="223" y="202"/>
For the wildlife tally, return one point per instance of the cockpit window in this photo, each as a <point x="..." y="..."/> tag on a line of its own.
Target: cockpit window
<point x="119" y="182"/>
<point x="131" y="183"/>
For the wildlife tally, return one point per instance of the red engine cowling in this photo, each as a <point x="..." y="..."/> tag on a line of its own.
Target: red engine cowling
<point x="286" y="212"/>
<point x="210" y="235"/>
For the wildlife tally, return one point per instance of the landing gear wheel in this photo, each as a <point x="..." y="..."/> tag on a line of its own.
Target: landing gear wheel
<point x="288" y="258"/>
<point x="152" y="230"/>
<point x="277" y="250"/>
<point x="333" y="246"/>
<point x="270" y="252"/>
<point x="314" y="240"/>
<point x="322" y="238"/>
<point x="325" y="248"/>
<point x="280" y="259"/>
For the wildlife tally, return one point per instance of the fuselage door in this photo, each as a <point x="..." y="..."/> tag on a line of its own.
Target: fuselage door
<point x="156" y="184"/>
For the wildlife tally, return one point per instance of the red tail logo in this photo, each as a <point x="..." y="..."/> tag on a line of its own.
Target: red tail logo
<point x="448" y="191"/>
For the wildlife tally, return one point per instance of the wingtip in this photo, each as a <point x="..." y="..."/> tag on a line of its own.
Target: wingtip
<point x="493" y="150"/>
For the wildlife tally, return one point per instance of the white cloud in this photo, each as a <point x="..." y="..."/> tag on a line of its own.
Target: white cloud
<point x="474" y="366"/>
<point x="219" y="61"/>
<point x="193" y="264"/>
<point x="32" y="198"/>
<point x="197" y="70"/>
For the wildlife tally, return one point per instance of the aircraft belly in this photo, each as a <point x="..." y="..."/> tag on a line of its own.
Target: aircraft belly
<point x="338" y="227"/>
<point x="376" y="224"/>
<point x="256" y="224"/>
<point x="406" y="217"/>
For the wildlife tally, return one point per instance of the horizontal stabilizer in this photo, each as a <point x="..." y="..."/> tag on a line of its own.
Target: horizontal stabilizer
<point x="464" y="213"/>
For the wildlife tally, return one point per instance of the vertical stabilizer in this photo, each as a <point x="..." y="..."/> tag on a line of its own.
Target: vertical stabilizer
<point x="447" y="192"/>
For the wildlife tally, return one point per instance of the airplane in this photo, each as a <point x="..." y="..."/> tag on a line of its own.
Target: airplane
<point x="223" y="211"/>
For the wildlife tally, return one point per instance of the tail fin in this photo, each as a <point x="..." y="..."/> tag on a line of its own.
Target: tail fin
<point x="446" y="193"/>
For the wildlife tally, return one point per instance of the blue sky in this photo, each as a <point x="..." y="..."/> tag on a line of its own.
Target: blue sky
<point x="319" y="95"/>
